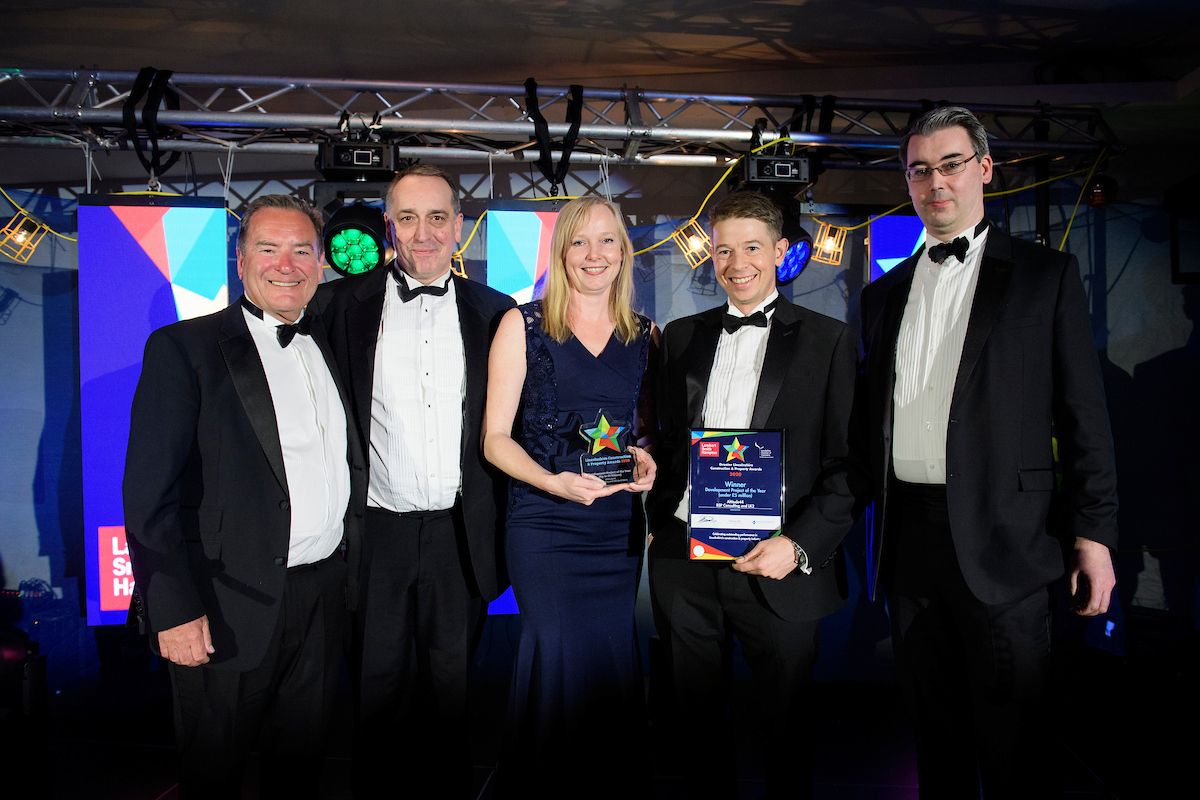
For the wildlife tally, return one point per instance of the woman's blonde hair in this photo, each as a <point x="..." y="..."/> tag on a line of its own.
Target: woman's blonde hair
<point x="556" y="296"/>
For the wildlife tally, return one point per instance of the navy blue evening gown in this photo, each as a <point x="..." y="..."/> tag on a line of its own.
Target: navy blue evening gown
<point x="576" y="707"/>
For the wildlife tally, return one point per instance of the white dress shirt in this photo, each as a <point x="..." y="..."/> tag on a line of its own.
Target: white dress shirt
<point x="928" y="350"/>
<point x="417" y="403"/>
<point x="733" y="381"/>
<point x="312" y="434"/>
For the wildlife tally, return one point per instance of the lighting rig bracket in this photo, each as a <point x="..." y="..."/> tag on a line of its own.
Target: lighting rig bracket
<point x="356" y="161"/>
<point x="778" y="170"/>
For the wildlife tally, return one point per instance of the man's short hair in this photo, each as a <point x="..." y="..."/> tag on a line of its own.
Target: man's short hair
<point x="429" y="171"/>
<point x="749" y="205"/>
<point x="284" y="202"/>
<point x="946" y="117"/>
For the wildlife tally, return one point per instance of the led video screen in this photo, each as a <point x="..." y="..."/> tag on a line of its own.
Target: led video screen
<point x="144" y="261"/>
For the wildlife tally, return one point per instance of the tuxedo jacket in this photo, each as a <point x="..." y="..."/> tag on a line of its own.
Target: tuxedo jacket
<point x="207" y="511"/>
<point x="1028" y="372"/>
<point x="351" y="310"/>
<point x="806" y="389"/>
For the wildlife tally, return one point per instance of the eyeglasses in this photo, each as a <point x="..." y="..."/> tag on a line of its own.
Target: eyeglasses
<point x="948" y="168"/>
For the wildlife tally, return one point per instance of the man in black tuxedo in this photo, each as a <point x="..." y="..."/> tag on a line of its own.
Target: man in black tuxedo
<point x="759" y="362"/>
<point x="238" y="480"/>
<point x="412" y="345"/>
<point x="977" y="355"/>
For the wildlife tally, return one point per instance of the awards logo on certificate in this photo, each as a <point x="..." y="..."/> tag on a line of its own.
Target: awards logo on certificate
<point x="608" y="456"/>
<point x="736" y="492"/>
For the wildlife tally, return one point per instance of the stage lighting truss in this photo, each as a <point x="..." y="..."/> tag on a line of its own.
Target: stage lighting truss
<point x="20" y="237"/>
<point x="694" y="242"/>
<point x="829" y="243"/>
<point x="488" y="122"/>
<point x="354" y="239"/>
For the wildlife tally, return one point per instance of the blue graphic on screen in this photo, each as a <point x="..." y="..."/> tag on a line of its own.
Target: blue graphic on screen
<point x="143" y="263"/>
<point x="892" y="239"/>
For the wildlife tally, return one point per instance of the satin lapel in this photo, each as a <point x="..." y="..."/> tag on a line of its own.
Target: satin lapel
<point x="702" y="350"/>
<point x="995" y="271"/>
<point x="474" y="328"/>
<point x="250" y="382"/>
<point x="781" y="342"/>
<point x="362" y="335"/>
<point x="893" y="310"/>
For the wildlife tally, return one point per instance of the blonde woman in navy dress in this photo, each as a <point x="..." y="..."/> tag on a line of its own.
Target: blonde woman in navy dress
<point x="576" y="717"/>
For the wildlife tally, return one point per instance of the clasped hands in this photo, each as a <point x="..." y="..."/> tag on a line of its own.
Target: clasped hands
<point x="586" y="489"/>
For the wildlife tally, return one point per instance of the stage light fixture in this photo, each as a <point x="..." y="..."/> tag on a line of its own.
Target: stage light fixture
<point x="20" y="237"/>
<point x="694" y="242"/>
<point x="354" y="239"/>
<point x="798" y="253"/>
<point x="1101" y="192"/>
<point x="829" y="243"/>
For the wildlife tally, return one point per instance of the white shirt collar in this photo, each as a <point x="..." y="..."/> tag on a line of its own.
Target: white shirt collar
<point x="734" y="311"/>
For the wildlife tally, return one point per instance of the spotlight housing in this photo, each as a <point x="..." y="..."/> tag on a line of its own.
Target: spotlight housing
<point x="1102" y="192"/>
<point x="355" y="240"/>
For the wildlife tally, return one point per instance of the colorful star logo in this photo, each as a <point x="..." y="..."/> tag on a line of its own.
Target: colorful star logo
<point x="735" y="450"/>
<point x="604" y="435"/>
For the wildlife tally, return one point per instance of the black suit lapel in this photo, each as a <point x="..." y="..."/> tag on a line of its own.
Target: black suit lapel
<point x="781" y="341"/>
<point x="250" y="382"/>
<point x="701" y="351"/>
<point x="473" y="325"/>
<point x="995" y="271"/>
<point x="362" y="336"/>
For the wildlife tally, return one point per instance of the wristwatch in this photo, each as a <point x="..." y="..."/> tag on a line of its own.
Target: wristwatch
<point x="801" y="558"/>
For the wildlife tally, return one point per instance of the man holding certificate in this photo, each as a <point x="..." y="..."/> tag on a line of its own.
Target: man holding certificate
<point x="758" y="364"/>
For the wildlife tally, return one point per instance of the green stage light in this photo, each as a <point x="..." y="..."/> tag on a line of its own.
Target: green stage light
<point x="354" y="239"/>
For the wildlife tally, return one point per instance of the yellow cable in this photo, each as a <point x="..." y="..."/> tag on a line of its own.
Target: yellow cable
<point x="462" y="249"/>
<point x="26" y="213"/>
<point x="1086" y="182"/>
<point x="989" y="194"/>
<point x="711" y="192"/>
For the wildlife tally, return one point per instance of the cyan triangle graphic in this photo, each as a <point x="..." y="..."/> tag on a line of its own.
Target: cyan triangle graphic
<point x="196" y="246"/>
<point x="513" y="238"/>
<point x="524" y="232"/>
<point x="886" y="264"/>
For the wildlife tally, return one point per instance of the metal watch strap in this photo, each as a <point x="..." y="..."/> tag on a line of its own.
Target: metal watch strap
<point x="801" y="558"/>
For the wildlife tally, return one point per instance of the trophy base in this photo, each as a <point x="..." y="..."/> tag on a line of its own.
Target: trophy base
<point x="612" y="469"/>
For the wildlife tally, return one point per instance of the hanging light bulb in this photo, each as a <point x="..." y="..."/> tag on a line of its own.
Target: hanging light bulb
<point x="694" y="242"/>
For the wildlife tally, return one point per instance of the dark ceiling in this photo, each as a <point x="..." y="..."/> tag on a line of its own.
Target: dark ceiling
<point x="1139" y="61"/>
<point x="611" y="41"/>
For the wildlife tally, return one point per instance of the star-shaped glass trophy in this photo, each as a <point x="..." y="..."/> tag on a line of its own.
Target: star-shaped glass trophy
<point x="608" y="456"/>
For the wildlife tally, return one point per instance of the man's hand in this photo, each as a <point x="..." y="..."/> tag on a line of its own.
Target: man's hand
<point x="1092" y="562"/>
<point x="188" y="645"/>
<point x="771" y="558"/>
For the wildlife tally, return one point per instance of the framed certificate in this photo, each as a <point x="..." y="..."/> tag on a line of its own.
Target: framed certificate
<point x="736" y="498"/>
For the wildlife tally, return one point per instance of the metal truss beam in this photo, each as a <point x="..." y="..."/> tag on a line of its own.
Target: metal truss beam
<point x="461" y="122"/>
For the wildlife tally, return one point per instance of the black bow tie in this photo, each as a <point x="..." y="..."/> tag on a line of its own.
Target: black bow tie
<point x="758" y="319"/>
<point x="958" y="247"/>
<point x="407" y="294"/>
<point x="284" y="332"/>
